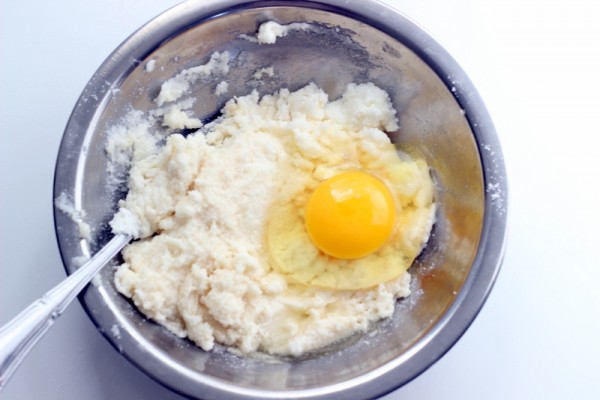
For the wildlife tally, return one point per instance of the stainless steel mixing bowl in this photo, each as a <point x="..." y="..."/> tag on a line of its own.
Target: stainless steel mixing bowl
<point x="442" y="117"/>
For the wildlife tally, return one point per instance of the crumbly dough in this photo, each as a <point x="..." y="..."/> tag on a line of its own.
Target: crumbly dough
<point x="200" y="204"/>
<point x="150" y="65"/>
<point x="176" y="118"/>
<point x="267" y="71"/>
<point x="180" y="84"/>
<point x="269" y="31"/>
<point x="222" y="88"/>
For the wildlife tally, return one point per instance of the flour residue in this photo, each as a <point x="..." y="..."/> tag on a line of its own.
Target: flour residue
<point x="66" y="205"/>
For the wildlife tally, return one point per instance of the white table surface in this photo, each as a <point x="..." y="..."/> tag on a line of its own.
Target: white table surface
<point x="536" y="64"/>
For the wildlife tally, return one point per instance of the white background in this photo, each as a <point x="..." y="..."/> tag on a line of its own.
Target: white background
<point x="537" y="66"/>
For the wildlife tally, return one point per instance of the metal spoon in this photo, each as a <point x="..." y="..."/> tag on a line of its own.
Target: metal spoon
<point x="21" y="333"/>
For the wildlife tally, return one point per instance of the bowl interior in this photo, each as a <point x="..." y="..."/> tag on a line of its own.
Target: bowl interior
<point x="342" y="48"/>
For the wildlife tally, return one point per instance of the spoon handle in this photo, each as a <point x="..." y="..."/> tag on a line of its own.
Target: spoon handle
<point x="21" y="333"/>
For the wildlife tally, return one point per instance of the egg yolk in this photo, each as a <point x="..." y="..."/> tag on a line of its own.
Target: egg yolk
<point x="350" y="215"/>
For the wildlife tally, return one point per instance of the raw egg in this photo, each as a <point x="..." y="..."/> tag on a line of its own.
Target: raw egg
<point x="353" y="230"/>
<point x="350" y="215"/>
